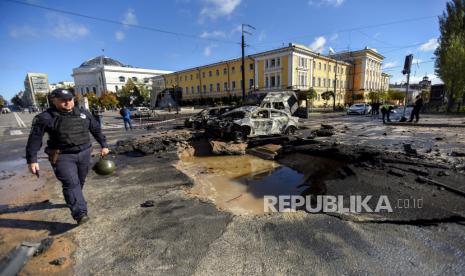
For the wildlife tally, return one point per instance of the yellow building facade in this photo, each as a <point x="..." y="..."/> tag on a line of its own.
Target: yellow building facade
<point x="294" y="67"/>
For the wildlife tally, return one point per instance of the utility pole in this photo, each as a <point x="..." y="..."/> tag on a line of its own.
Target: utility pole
<point x="243" y="57"/>
<point x="407" y="66"/>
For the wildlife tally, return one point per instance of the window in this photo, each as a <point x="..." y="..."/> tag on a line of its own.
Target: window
<point x="225" y="71"/>
<point x="233" y="69"/>
<point x="273" y="81"/>
<point x="278" y="81"/>
<point x="319" y="65"/>
<point x="266" y="63"/>
<point x="94" y="89"/>
<point x="250" y="83"/>
<point x="210" y="73"/>
<point x="225" y="86"/>
<point x="266" y="82"/>
<point x="191" y="76"/>
<point x="134" y="78"/>
<point x="279" y="62"/>
<point x="198" y="89"/>
<point x="87" y="89"/>
<point x="324" y="82"/>
<point x="273" y="62"/>
<point x="192" y="90"/>
<point x="211" y="87"/>
<point x="203" y="74"/>
<point x="218" y="87"/>
<point x="319" y="82"/>
<point x="251" y="66"/>
<point x="233" y="84"/>
<point x="314" y="64"/>
<point x="204" y="88"/>
<point x="342" y="70"/>
<point x="324" y="67"/>
<point x="313" y="81"/>
<point x="122" y="79"/>
<point x="329" y="67"/>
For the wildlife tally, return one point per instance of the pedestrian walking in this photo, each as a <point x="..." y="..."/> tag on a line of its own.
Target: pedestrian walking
<point x="68" y="147"/>
<point x="416" y="109"/>
<point x="126" y="114"/>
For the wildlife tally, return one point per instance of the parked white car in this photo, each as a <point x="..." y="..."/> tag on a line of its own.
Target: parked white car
<point x="140" y="111"/>
<point x="359" y="109"/>
<point x="5" y="110"/>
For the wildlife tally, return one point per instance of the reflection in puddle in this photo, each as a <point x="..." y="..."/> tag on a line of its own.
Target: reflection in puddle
<point x="239" y="183"/>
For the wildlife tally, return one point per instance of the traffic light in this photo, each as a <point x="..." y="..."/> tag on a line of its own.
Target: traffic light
<point x="407" y="64"/>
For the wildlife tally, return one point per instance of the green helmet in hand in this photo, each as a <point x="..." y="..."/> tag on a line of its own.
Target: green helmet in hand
<point x="104" y="167"/>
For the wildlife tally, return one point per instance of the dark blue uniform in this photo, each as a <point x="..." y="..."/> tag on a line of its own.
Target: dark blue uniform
<point x="67" y="133"/>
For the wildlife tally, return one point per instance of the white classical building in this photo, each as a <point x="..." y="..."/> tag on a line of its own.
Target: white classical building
<point x="102" y="74"/>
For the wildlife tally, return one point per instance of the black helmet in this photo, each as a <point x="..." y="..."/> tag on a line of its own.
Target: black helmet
<point x="104" y="167"/>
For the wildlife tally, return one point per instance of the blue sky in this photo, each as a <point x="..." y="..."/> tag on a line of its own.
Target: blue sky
<point x="37" y="40"/>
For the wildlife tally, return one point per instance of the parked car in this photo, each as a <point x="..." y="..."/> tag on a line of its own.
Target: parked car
<point x="359" y="109"/>
<point x="5" y="110"/>
<point x="200" y="119"/>
<point x="140" y="112"/>
<point x="251" y="121"/>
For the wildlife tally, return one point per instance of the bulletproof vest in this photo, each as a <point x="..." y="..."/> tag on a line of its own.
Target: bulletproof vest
<point x="70" y="130"/>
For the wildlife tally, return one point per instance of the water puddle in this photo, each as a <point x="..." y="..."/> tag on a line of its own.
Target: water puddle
<point x="239" y="183"/>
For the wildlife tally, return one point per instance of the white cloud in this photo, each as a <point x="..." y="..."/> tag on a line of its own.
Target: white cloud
<point x="130" y="18"/>
<point x="213" y="34"/>
<point x="334" y="37"/>
<point x="119" y="35"/>
<point x="207" y="51"/>
<point x="65" y="28"/>
<point x="318" y="44"/>
<point x="333" y="3"/>
<point x="216" y="8"/>
<point x="390" y="64"/>
<point x="261" y="36"/>
<point x="23" y="31"/>
<point x="430" y="45"/>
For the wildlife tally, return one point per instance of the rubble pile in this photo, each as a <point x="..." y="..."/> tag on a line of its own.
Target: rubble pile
<point x="228" y="148"/>
<point x="151" y="145"/>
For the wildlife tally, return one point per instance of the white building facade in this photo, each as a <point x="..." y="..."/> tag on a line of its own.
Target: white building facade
<point x="102" y="74"/>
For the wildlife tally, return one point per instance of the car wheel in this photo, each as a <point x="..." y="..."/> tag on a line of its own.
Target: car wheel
<point x="238" y="136"/>
<point x="290" y="130"/>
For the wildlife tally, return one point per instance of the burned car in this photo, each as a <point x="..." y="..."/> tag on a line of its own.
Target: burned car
<point x="251" y="121"/>
<point x="200" y="119"/>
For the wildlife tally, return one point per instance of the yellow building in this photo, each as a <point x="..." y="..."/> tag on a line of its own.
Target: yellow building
<point x="294" y="67"/>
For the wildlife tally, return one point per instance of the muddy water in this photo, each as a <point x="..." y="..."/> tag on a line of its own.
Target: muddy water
<point x="238" y="183"/>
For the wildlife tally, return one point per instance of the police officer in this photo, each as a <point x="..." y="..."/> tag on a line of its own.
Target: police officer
<point x="386" y="112"/>
<point x="69" y="147"/>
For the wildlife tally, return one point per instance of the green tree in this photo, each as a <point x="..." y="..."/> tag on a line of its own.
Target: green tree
<point x="394" y="95"/>
<point x="2" y="101"/>
<point x="133" y="94"/>
<point x="92" y="99"/>
<point x="450" y="53"/>
<point x="376" y="96"/>
<point x="311" y="95"/>
<point x="16" y="100"/>
<point x="108" y="100"/>
<point x="41" y="99"/>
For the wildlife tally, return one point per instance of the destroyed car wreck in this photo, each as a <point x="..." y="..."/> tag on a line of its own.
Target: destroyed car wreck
<point x="200" y="119"/>
<point x="251" y="121"/>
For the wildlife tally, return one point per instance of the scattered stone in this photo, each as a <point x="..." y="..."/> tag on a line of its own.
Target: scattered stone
<point x="44" y="246"/>
<point x="228" y="148"/>
<point x="148" y="203"/>
<point x="58" y="261"/>
<point x="384" y="133"/>
<point x="441" y="188"/>
<point x="325" y="126"/>
<point x="269" y="151"/>
<point x="422" y="172"/>
<point x="457" y="154"/>
<point x="397" y="172"/>
<point x="409" y="150"/>
<point x="323" y="132"/>
<point x="439" y="138"/>
<point x="443" y="173"/>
